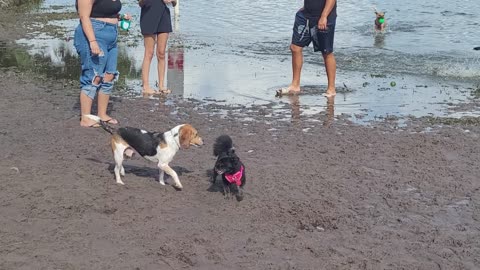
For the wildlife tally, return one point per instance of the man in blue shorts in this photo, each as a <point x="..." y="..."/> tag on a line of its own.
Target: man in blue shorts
<point x="314" y="23"/>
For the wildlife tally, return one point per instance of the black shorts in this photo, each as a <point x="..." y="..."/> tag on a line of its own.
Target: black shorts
<point x="155" y="18"/>
<point x="306" y="31"/>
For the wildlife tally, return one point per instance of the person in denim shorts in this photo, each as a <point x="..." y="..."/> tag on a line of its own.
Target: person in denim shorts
<point x="314" y="23"/>
<point x="96" y="43"/>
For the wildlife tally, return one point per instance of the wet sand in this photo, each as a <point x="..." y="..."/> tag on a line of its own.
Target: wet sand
<point x="321" y="193"/>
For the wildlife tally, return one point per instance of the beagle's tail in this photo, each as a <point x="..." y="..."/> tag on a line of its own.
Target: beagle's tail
<point x="103" y="124"/>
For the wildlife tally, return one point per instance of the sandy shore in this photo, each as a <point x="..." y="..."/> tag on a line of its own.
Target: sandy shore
<point x="321" y="193"/>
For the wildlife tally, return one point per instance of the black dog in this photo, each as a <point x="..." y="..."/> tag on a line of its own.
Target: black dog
<point x="229" y="166"/>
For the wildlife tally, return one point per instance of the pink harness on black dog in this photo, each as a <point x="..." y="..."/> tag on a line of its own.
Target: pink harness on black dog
<point x="235" y="177"/>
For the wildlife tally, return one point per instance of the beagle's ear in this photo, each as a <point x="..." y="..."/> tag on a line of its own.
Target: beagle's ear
<point x="186" y="133"/>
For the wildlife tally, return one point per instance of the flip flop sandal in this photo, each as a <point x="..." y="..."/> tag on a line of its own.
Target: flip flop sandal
<point x="164" y="91"/>
<point x="111" y="121"/>
<point x="96" y="125"/>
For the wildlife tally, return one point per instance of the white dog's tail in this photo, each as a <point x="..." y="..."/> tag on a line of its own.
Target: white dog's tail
<point x="103" y="124"/>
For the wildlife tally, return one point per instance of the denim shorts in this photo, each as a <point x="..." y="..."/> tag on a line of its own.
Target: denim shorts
<point x="306" y="31"/>
<point x="97" y="65"/>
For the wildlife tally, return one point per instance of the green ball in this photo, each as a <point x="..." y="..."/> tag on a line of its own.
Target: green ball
<point x="381" y="20"/>
<point x="392" y="84"/>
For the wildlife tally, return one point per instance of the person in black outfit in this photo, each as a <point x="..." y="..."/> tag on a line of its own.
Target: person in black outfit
<point x="155" y="24"/>
<point x="315" y="22"/>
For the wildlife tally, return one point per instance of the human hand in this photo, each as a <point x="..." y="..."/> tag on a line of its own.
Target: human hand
<point x="95" y="48"/>
<point x="127" y="16"/>
<point x="322" y="23"/>
<point x="173" y="2"/>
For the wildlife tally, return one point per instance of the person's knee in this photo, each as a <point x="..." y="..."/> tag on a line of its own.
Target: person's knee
<point x="97" y="80"/>
<point x="108" y="77"/>
<point x="161" y="54"/>
<point x="328" y="56"/>
<point x="90" y="91"/>
<point x="295" y="49"/>
<point x="149" y="54"/>
<point x="108" y="82"/>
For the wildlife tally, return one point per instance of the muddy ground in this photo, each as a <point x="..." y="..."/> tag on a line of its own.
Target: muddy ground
<point x="321" y="193"/>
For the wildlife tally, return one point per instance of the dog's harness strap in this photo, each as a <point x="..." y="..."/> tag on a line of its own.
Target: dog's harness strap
<point x="175" y="135"/>
<point x="235" y="178"/>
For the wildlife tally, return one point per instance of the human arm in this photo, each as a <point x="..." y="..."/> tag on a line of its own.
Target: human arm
<point x="125" y="16"/>
<point x="322" y="22"/>
<point x="174" y="2"/>
<point x="84" y="11"/>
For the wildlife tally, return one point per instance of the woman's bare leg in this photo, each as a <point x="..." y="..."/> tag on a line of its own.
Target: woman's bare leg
<point x="149" y="44"/>
<point x="103" y="102"/>
<point x="162" y="39"/>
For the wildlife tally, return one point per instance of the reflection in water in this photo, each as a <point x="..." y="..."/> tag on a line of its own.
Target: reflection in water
<point x="330" y="111"/>
<point x="235" y="67"/>
<point x="58" y="60"/>
<point x="295" y="106"/>
<point x="175" y="72"/>
<point x="296" y="112"/>
<point x="379" y="40"/>
<point x="45" y="62"/>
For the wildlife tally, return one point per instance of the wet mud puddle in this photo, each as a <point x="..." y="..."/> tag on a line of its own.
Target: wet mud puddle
<point x="374" y="82"/>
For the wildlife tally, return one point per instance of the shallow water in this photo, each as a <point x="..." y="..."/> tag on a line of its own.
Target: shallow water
<point x="238" y="54"/>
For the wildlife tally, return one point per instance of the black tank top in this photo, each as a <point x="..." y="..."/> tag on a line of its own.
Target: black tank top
<point x="104" y="8"/>
<point x="314" y="8"/>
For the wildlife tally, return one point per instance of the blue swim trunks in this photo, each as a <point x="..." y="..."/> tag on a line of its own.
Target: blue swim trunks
<point x="305" y="31"/>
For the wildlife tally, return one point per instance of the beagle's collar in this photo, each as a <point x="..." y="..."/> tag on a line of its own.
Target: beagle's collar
<point x="174" y="139"/>
<point x="235" y="177"/>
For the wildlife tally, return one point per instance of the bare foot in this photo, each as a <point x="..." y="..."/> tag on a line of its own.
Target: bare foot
<point x="148" y="91"/>
<point x="330" y="93"/>
<point x="87" y="122"/>
<point x="290" y="90"/>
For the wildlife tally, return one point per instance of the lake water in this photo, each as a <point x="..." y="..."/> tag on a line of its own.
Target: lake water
<point x="239" y="53"/>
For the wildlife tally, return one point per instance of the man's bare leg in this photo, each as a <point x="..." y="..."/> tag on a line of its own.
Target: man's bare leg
<point x="297" y="63"/>
<point x="331" y="68"/>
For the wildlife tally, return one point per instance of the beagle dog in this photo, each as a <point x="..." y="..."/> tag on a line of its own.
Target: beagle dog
<point x="154" y="146"/>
